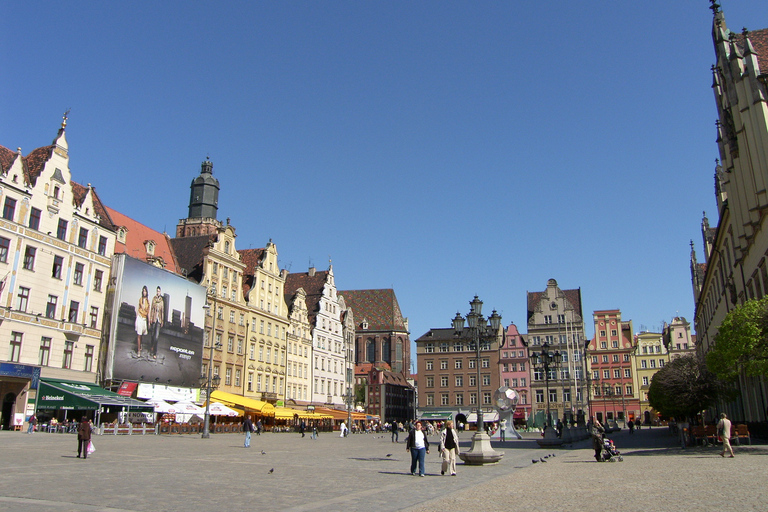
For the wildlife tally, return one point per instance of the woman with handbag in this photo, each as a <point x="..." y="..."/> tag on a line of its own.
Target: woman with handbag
<point x="449" y="448"/>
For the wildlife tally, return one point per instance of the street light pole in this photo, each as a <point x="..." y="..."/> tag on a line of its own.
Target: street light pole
<point x="209" y="380"/>
<point x="479" y="330"/>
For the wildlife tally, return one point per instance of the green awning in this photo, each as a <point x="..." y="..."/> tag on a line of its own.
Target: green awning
<point x="84" y="396"/>
<point x="436" y="415"/>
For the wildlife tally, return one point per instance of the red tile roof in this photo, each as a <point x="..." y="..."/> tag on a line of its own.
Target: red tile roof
<point x="252" y="259"/>
<point x="378" y="307"/>
<point x="313" y="285"/>
<point x="759" y="40"/>
<point x="190" y="252"/>
<point x="137" y="234"/>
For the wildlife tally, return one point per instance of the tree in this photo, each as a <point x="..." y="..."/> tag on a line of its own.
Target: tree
<point x="683" y="388"/>
<point x="741" y="344"/>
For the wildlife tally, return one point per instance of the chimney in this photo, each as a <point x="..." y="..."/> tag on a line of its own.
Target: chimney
<point x="311" y="271"/>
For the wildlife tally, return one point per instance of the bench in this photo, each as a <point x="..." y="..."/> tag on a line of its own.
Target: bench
<point x="698" y="434"/>
<point x="739" y="431"/>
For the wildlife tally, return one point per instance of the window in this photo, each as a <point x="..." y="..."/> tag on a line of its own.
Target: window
<point x="457" y="346"/>
<point x="232" y="316"/>
<point x="430" y="382"/>
<point x="58" y="263"/>
<point x="457" y="364"/>
<point x="9" y="209"/>
<point x="485" y="363"/>
<point x="443" y="347"/>
<point x="98" y="276"/>
<point x="645" y="381"/>
<point x="443" y="365"/>
<point x="615" y="344"/>
<point x="69" y="348"/>
<point x="430" y="399"/>
<point x="5" y="244"/>
<point x="429" y="365"/>
<point x="88" y="358"/>
<point x="615" y="358"/>
<point x="606" y="374"/>
<point x="23" y="297"/>
<point x="61" y="230"/>
<point x="486" y="380"/>
<point x="643" y="363"/>
<point x="228" y="376"/>
<point x="103" y="245"/>
<point x="444" y="382"/>
<point x="486" y="398"/>
<point x="250" y="381"/>
<point x="627" y="373"/>
<point x="472" y="364"/>
<point x="34" y="218"/>
<point x="29" y="258"/>
<point x="539" y="396"/>
<point x="603" y="344"/>
<point x="553" y="395"/>
<point x="239" y="345"/>
<point x="429" y="348"/>
<point x="605" y="359"/>
<point x="626" y="358"/>
<point x="566" y="395"/>
<point x="50" y="308"/>
<point x="82" y="238"/>
<point x="459" y="381"/>
<point x="629" y="390"/>
<point x="661" y="363"/>
<point x="522" y="367"/>
<point x="594" y="359"/>
<point x="16" y="338"/>
<point x="73" y="307"/>
<point x="220" y="313"/>
<point x="472" y="381"/>
<point x="538" y="374"/>
<point x="472" y="398"/>
<point x="459" y="398"/>
<point x="653" y="363"/>
<point x="237" y="378"/>
<point x="79" y="267"/>
<point x="616" y="374"/>
<point x="45" y="351"/>
<point x="94" y="316"/>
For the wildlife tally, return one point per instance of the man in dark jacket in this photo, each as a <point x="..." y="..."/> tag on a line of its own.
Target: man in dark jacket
<point x="83" y="437"/>
<point x="418" y="444"/>
<point x="247" y="428"/>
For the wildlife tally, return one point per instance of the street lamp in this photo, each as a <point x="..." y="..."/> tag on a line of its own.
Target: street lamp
<point x="479" y="330"/>
<point x="547" y="361"/>
<point x="210" y="381"/>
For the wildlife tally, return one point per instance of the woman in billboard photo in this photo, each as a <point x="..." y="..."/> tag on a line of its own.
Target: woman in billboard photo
<point x="142" y="312"/>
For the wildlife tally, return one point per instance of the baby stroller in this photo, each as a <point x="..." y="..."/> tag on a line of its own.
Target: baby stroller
<point x="610" y="453"/>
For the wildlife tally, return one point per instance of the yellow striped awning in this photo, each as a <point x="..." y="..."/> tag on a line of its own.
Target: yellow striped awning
<point x="248" y="404"/>
<point x="285" y="413"/>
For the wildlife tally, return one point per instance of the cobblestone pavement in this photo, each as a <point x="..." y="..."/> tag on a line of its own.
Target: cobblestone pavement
<point x="364" y="472"/>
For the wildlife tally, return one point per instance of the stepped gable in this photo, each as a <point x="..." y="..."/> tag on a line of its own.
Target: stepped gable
<point x="378" y="307"/>
<point x="252" y="259"/>
<point x="313" y="285"/>
<point x="190" y="251"/>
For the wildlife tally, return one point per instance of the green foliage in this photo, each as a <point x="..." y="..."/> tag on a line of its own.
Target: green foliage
<point x="683" y="388"/>
<point x="360" y="392"/>
<point x="740" y="344"/>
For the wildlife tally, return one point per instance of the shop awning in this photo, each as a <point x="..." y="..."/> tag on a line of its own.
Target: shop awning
<point x="71" y="395"/>
<point x="436" y="415"/>
<point x="248" y="404"/>
<point x="333" y="413"/>
<point x="286" y="413"/>
<point x="487" y="417"/>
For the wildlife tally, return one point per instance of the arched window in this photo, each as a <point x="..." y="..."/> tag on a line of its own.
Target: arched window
<point x="386" y="351"/>
<point x="370" y="350"/>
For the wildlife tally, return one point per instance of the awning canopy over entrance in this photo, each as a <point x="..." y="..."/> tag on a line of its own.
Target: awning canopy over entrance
<point x="436" y="415"/>
<point x="487" y="417"/>
<point x="248" y="404"/>
<point x="333" y="413"/>
<point x="84" y="396"/>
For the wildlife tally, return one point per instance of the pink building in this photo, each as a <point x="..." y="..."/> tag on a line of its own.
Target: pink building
<point x="513" y="369"/>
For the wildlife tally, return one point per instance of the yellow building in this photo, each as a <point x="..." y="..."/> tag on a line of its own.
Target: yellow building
<point x="650" y="355"/>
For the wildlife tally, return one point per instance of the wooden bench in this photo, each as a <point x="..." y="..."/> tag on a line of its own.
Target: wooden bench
<point x="739" y="431"/>
<point x="698" y="434"/>
<point x="710" y="434"/>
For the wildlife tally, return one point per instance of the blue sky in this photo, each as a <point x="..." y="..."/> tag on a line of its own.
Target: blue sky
<point x="444" y="149"/>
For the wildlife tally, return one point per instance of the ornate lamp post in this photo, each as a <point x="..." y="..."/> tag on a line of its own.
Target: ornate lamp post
<point x="547" y="361"/>
<point x="210" y="381"/>
<point x="479" y="330"/>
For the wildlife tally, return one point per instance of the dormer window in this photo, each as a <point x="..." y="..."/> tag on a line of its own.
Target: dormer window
<point x="121" y="235"/>
<point x="365" y="323"/>
<point x="56" y="192"/>
<point x="150" y="247"/>
<point x="226" y="247"/>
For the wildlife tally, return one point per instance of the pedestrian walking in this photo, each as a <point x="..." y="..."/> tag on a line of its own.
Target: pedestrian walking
<point x="597" y="440"/>
<point x="449" y="448"/>
<point x="343" y="430"/>
<point x="259" y="427"/>
<point x="395" y="433"/>
<point x="83" y="437"/>
<point x="314" y="432"/>
<point x="32" y="424"/>
<point x="302" y="428"/>
<point x="502" y="429"/>
<point x="247" y="428"/>
<point x="418" y="444"/>
<point x="724" y="431"/>
<point x="631" y="425"/>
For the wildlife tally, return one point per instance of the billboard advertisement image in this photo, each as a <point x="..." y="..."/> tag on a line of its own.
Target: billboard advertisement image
<point x="157" y="321"/>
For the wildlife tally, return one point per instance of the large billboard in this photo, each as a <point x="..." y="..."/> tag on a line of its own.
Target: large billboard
<point x="156" y="325"/>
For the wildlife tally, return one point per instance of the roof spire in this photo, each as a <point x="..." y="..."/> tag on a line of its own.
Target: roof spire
<point x="64" y="118"/>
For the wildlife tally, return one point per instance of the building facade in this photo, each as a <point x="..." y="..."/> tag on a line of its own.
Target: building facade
<point x="555" y="319"/>
<point x="514" y="371"/>
<point x="649" y="356"/>
<point x="677" y="337"/>
<point x="382" y="353"/>
<point x="735" y="267"/>
<point x="55" y="256"/>
<point x="612" y="373"/>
